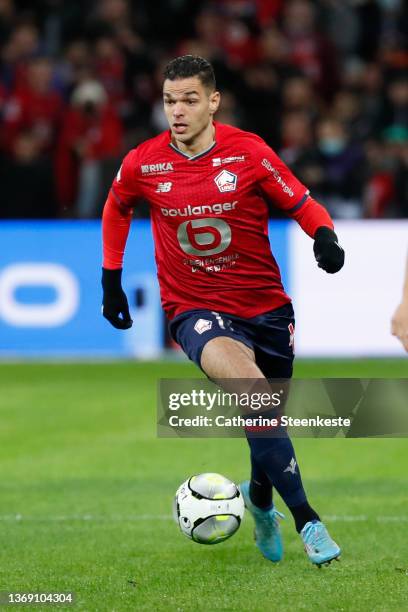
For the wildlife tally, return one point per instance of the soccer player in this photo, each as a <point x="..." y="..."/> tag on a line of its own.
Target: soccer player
<point x="207" y="186"/>
<point x="399" y="323"/>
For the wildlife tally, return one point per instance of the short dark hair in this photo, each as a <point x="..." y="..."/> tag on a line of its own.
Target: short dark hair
<point x="187" y="66"/>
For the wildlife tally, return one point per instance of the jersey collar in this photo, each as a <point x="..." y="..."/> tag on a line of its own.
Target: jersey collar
<point x="198" y="155"/>
<point x="192" y="157"/>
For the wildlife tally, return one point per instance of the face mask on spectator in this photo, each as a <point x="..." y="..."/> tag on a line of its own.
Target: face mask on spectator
<point x="390" y="5"/>
<point x="331" y="146"/>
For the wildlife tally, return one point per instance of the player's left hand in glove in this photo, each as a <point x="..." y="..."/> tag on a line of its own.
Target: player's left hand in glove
<point x="115" y="306"/>
<point x="328" y="253"/>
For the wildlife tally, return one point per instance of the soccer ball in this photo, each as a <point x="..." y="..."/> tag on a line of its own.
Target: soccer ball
<point x="208" y="508"/>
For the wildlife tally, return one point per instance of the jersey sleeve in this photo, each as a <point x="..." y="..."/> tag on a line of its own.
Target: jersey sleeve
<point x="285" y="191"/>
<point x="125" y="186"/>
<point x="117" y="212"/>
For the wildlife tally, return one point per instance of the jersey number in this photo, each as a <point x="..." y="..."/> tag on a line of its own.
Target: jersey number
<point x="204" y="236"/>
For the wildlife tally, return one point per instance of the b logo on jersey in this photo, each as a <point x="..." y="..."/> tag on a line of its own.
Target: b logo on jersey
<point x="226" y="181"/>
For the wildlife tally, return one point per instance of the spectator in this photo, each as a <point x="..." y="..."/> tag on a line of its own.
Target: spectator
<point x="347" y="109"/>
<point x="296" y="139"/>
<point x="110" y="15"/>
<point x="22" y="46"/>
<point x="298" y="95"/>
<point x="396" y="112"/>
<point x="28" y="190"/>
<point x="310" y="50"/>
<point x="109" y="69"/>
<point x="259" y="98"/>
<point x="370" y="92"/>
<point x="7" y="16"/>
<point x="274" y="51"/>
<point x="342" y="169"/>
<point x="239" y="44"/>
<point x="396" y="140"/>
<point x="229" y="112"/>
<point x="379" y="189"/>
<point x="35" y="106"/>
<point x="90" y="139"/>
<point x="74" y="66"/>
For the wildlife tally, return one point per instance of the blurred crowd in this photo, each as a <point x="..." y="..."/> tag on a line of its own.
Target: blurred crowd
<point x="325" y="83"/>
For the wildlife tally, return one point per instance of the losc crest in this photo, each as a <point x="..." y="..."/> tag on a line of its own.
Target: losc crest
<point x="202" y="326"/>
<point x="226" y="181"/>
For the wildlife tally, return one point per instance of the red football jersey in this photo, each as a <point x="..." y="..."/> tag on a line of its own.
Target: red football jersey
<point x="210" y="220"/>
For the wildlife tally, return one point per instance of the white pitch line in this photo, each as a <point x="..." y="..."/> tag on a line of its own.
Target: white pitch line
<point x="352" y="518"/>
<point x="86" y="517"/>
<point x="362" y="518"/>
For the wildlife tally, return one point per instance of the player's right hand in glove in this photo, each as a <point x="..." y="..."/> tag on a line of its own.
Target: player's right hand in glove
<point x="328" y="253"/>
<point x="115" y="306"/>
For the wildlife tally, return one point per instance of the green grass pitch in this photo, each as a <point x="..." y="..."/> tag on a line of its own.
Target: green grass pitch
<point x="86" y="491"/>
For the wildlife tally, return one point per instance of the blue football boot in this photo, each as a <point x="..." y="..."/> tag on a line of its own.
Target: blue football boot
<point x="319" y="546"/>
<point x="267" y="531"/>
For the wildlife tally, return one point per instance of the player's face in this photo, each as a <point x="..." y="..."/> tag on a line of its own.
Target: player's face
<point x="189" y="107"/>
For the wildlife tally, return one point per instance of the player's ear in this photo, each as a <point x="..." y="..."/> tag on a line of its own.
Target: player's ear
<point x="215" y="98"/>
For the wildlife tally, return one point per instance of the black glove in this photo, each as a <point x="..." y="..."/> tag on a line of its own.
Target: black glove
<point x="329" y="254"/>
<point x="114" y="301"/>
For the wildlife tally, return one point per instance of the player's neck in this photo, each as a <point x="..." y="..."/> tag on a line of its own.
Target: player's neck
<point x="200" y="144"/>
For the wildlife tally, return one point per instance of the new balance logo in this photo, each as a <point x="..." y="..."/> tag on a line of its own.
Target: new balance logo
<point x="156" y="168"/>
<point x="291" y="467"/>
<point x="163" y="187"/>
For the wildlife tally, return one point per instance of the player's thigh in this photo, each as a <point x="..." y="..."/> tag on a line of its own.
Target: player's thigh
<point x="227" y="352"/>
<point x="225" y="357"/>
<point x="231" y="365"/>
<point x="223" y="351"/>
